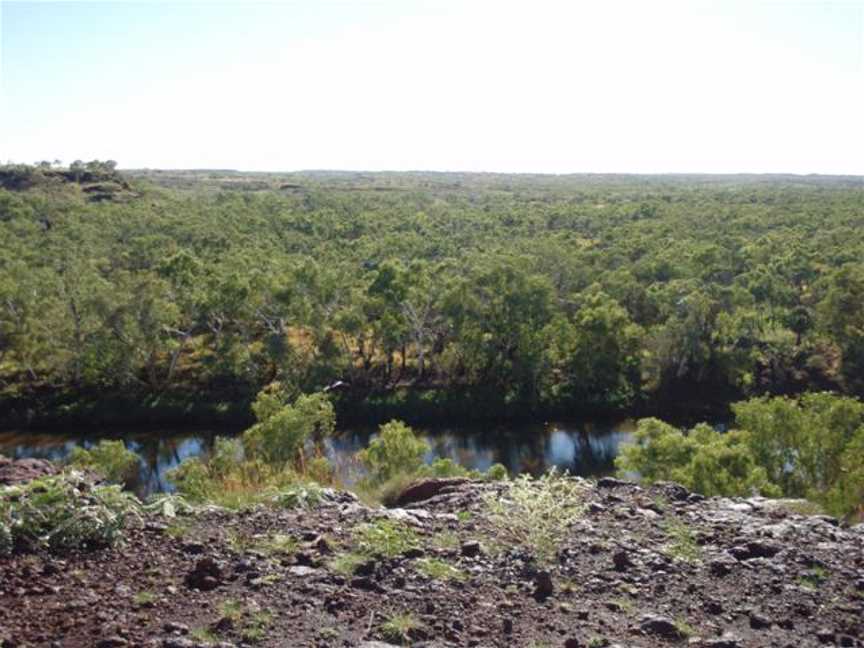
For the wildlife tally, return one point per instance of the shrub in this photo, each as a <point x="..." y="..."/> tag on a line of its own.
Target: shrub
<point x="395" y="450"/>
<point x="384" y="538"/>
<point x="282" y="430"/>
<point x="497" y="472"/>
<point x="62" y="512"/>
<point x="810" y="447"/>
<point x="703" y="460"/>
<point x="110" y="459"/>
<point x="535" y="514"/>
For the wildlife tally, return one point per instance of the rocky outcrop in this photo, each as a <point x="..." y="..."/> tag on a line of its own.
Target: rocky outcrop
<point x="644" y="567"/>
<point x="19" y="471"/>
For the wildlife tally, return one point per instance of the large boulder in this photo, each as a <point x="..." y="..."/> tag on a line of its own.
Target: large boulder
<point x="424" y="489"/>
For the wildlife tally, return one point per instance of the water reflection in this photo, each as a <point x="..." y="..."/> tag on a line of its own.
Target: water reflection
<point x="585" y="448"/>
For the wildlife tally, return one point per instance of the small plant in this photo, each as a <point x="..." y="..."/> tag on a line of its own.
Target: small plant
<point x="177" y="530"/>
<point x="110" y="459"/>
<point x="144" y="599"/>
<point x="684" y="628"/>
<point x="304" y="496"/>
<point x="256" y="625"/>
<point x="204" y="636"/>
<point x="535" y="514"/>
<point x="64" y="512"/>
<point x="445" y="540"/>
<point x="438" y="570"/>
<point x="347" y="563"/>
<point x="398" y="628"/>
<point x="277" y="545"/>
<point x="683" y="543"/>
<point x="814" y="579"/>
<point x="385" y="538"/>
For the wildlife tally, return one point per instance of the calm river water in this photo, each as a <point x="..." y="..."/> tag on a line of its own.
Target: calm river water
<point x="585" y="448"/>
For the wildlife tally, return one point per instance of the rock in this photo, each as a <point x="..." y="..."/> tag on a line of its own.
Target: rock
<point x="675" y="492"/>
<point x="19" y="471"/>
<point x="173" y="626"/>
<point x="755" y="549"/>
<point x="728" y="640"/>
<point x="302" y="571"/>
<point x="759" y="621"/>
<point x="661" y="626"/>
<point x="507" y="626"/>
<point x="825" y="636"/>
<point x="573" y="642"/>
<point x="366" y="583"/>
<point x="721" y="566"/>
<point x="205" y="576"/>
<point x="543" y="585"/>
<point x="621" y="559"/>
<point x="611" y="482"/>
<point x="112" y="642"/>
<point x="193" y="547"/>
<point x="471" y="548"/>
<point x="374" y="644"/>
<point x="425" y="489"/>
<point x="178" y="642"/>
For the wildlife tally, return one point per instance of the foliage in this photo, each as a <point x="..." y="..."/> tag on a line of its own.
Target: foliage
<point x="536" y="514"/>
<point x="110" y="459"/>
<point x="805" y="447"/>
<point x="516" y="294"/>
<point x="396" y="450"/>
<point x="703" y="459"/>
<point x="438" y="570"/>
<point x="385" y="538"/>
<point x="63" y="513"/>
<point x="397" y="628"/>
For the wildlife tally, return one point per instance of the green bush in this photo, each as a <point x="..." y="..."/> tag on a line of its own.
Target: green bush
<point x="536" y="514"/>
<point x="808" y="447"/>
<point x="279" y="437"/>
<point x="110" y="459"/>
<point x="497" y="472"/>
<point x="396" y="450"/>
<point x="702" y="459"/>
<point x="62" y="512"/>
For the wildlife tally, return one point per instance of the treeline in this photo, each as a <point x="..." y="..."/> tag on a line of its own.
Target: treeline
<point x="513" y="295"/>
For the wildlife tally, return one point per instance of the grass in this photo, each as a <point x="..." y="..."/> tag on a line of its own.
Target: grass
<point x="684" y="628"/>
<point x="438" y="570"/>
<point x="385" y="538"/>
<point x="814" y="579"/>
<point x="177" y="530"/>
<point x="144" y="599"/>
<point x="347" y="563"/>
<point x="398" y="627"/>
<point x="535" y="514"/>
<point x="277" y="545"/>
<point x="252" y="623"/>
<point x="445" y="540"/>
<point x="682" y="545"/>
<point x="204" y="635"/>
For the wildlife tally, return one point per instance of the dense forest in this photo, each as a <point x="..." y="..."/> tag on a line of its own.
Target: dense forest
<point x="147" y="295"/>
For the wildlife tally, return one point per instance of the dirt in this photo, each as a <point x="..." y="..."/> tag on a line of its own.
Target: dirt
<point x="644" y="566"/>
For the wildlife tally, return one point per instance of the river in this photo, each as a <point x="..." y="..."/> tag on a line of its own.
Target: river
<point x="582" y="448"/>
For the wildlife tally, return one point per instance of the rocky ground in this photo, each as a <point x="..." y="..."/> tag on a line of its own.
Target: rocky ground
<point x="643" y="566"/>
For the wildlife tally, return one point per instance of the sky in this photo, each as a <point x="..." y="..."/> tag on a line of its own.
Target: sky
<point x="462" y="85"/>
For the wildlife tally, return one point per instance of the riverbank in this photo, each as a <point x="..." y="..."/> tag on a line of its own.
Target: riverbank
<point x="641" y="567"/>
<point x="46" y="409"/>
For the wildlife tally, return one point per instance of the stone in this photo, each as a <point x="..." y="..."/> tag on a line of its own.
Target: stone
<point x="205" y="576"/>
<point x="621" y="559"/>
<point x="661" y="626"/>
<point x="755" y="549"/>
<point x="173" y="626"/>
<point x="611" y="482"/>
<point x="759" y="621"/>
<point x="112" y="642"/>
<point x="543" y="585"/>
<point x="19" y="471"/>
<point x="471" y="548"/>
<point x="425" y="489"/>
<point x="302" y="571"/>
<point x="728" y="640"/>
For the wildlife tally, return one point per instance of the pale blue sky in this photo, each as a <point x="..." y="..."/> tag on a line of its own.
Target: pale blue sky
<point x="533" y="86"/>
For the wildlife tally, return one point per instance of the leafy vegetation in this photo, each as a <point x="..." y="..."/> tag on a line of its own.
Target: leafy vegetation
<point x="806" y="447"/>
<point x="458" y="295"/>
<point x="110" y="459"/>
<point x="61" y="513"/>
<point x="536" y="514"/>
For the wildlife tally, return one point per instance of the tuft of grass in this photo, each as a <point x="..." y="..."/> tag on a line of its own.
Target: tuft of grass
<point x="438" y="570"/>
<point x="682" y="543"/>
<point x="385" y="538"/>
<point x="144" y="599"/>
<point x="277" y="545"/>
<point x="204" y="636"/>
<point x="445" y="540"/>
<point x="255" y="628"/>
<point x="346" y="563"/>
<point x="535" y="514"/>
<point x="684" y="628"/>
<point x="177" y="530"/>
<point x="814" y="579"/>
<point x="398" y="627"/>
